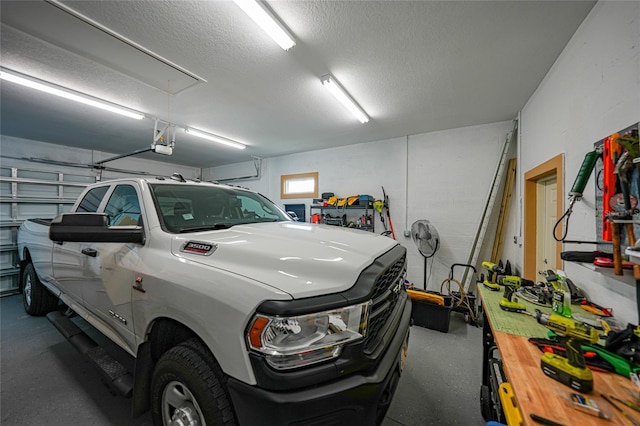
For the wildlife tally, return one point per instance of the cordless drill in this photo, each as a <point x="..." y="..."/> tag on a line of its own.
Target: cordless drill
<point x="512" y="283"/>
<point x="492" y="275"/>
<point x="572" y="370"/>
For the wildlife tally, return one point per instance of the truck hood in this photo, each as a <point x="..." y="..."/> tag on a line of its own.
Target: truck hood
<point x="300" y="259"/>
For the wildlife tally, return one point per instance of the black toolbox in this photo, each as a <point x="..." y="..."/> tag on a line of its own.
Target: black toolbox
<point x="430" y="314"/>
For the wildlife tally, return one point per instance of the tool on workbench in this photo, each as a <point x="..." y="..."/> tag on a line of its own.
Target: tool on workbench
<point x="493" y="270"/>
<point x="512" y="283"/>
<point x="586" y="405"/>
<point x="561" y="303"/>
<point x="507" y="398"/>
<point x="537" y="294"/>
<point x="562" y="283"/>
<point x="620" y="364"/>
<point x="627" y="403"/>
<point x="625" y="343"/>
<point x="596" y="357"/>
<point x="592" y="359"/>
<point x="572" y="370"/>
<point x="624" y="413"/>
<point x="544" y="421"/>
<point x="596" y="309"/>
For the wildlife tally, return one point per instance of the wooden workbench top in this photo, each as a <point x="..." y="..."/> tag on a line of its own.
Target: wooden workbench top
<point x="534" y="391"/>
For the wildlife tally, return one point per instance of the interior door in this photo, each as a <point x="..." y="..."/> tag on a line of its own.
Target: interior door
<point x="546" y="218"/>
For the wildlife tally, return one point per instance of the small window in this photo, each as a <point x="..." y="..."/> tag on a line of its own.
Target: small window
<point x="92" y="199"/>
<point x="301" y="185"/>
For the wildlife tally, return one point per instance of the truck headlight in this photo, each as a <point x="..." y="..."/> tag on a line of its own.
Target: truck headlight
<point x="291" y="342"/>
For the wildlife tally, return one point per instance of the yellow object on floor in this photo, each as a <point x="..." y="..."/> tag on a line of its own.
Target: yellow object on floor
<point x="424" y="296"/>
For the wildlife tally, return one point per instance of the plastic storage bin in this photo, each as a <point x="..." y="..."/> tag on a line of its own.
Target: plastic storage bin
<point x="432" y="315"/>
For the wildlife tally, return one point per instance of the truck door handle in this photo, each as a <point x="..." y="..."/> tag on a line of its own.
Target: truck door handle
<point x="89" y="252"/>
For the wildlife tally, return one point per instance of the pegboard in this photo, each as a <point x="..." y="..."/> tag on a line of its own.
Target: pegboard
<point x="610" y="187"/>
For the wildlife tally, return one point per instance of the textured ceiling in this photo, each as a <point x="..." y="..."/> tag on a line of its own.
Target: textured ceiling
<point x="414" y="66"/>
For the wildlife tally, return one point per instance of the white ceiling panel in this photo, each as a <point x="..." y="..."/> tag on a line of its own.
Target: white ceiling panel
<point x="414" y="66"/>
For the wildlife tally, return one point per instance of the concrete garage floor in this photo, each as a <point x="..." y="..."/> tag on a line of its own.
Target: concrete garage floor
<point x="44" y="380"/>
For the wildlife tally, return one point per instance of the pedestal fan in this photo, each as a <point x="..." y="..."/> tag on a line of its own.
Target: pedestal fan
<point x="426" y="237"/>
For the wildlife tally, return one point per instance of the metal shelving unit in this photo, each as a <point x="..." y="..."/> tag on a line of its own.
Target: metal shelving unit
<point x="347" y="216"/>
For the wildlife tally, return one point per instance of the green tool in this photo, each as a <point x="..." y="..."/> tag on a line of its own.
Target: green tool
<point x="620" y="365"/>
<point x="512" y="283"/>
<point x="493" y="270"/>
<point x="572" y="370"/>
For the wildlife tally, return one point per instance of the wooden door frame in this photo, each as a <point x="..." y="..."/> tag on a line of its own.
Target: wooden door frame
<point x="553" y="166"/>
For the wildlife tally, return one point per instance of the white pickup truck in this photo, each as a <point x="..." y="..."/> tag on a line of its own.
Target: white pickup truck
<point x="230" y="312"/>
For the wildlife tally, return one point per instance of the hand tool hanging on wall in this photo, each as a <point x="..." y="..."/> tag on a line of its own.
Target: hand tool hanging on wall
<point x="378" y="205"/>
<point x="630" y="141"/>
<point x="610" y="155"/>
<point x="386" y="206"/>
<point x="576" y="192"/>
<point x="623" y="166"/>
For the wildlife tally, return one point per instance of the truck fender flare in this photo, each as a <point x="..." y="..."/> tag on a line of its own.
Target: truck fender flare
<point x="163" y="334"/>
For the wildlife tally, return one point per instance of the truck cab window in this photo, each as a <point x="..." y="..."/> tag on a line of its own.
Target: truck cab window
<point x="92" y="199"/>
<point x="123" y="207"/>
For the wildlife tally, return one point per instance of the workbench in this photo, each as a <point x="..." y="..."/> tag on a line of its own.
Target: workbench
<point x="533" y="391"/>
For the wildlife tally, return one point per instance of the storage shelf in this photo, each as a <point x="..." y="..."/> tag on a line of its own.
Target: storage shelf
<point x="349" y="212"/>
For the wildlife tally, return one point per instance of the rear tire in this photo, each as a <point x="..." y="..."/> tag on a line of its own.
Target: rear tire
<point x="37" y="300"/>
<point x="189" y="386"/>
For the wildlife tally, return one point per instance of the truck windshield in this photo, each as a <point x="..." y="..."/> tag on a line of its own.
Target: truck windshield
<point x="192" y="208"/>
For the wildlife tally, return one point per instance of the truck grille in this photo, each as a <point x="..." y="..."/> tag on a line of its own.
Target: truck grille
<point x="384" y="297"/>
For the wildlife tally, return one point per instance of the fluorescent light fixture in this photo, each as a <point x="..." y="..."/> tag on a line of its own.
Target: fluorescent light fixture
<point x="215" y="138"/>
<point x="336" y="90"/>
<point x="269" y="23"/>
<point x="67" y="93"/>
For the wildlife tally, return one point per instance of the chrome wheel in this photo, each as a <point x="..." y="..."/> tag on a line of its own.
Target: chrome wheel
<point x="179" y="406"/>
<point x="27" y="290"/>
<point x="188" y="387"/>
<point x="36" y="299"/>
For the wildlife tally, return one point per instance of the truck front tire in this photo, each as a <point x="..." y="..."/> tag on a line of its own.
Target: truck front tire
<point x="188" y="387"/>
<point x="37" y="300"/>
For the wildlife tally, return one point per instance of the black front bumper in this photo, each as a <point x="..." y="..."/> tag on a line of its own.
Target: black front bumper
<point x="358" y="399"/>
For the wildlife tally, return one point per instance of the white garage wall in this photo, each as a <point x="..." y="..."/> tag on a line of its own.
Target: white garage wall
<point x="450" y="178"/>
<point x="592" y="90"/>
<point x="442" y="176"/>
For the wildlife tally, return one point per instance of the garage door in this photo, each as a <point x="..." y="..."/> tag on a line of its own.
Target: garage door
<point x="27" y="193"/>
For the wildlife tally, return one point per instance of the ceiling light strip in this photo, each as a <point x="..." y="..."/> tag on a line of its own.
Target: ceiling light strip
<point x="215" y="138"/>
<point x="63" y="92"/>
<point x="262" y="16"/>
<point x="341" y="95"/>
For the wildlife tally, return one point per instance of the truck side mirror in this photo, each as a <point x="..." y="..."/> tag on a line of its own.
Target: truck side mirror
<point x="92" y="228"/>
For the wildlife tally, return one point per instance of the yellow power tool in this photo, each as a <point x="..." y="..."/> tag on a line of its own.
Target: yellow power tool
<point x="572" y="370"/>
<point x="493" y="270"/>
<point x="512" y="283"/>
